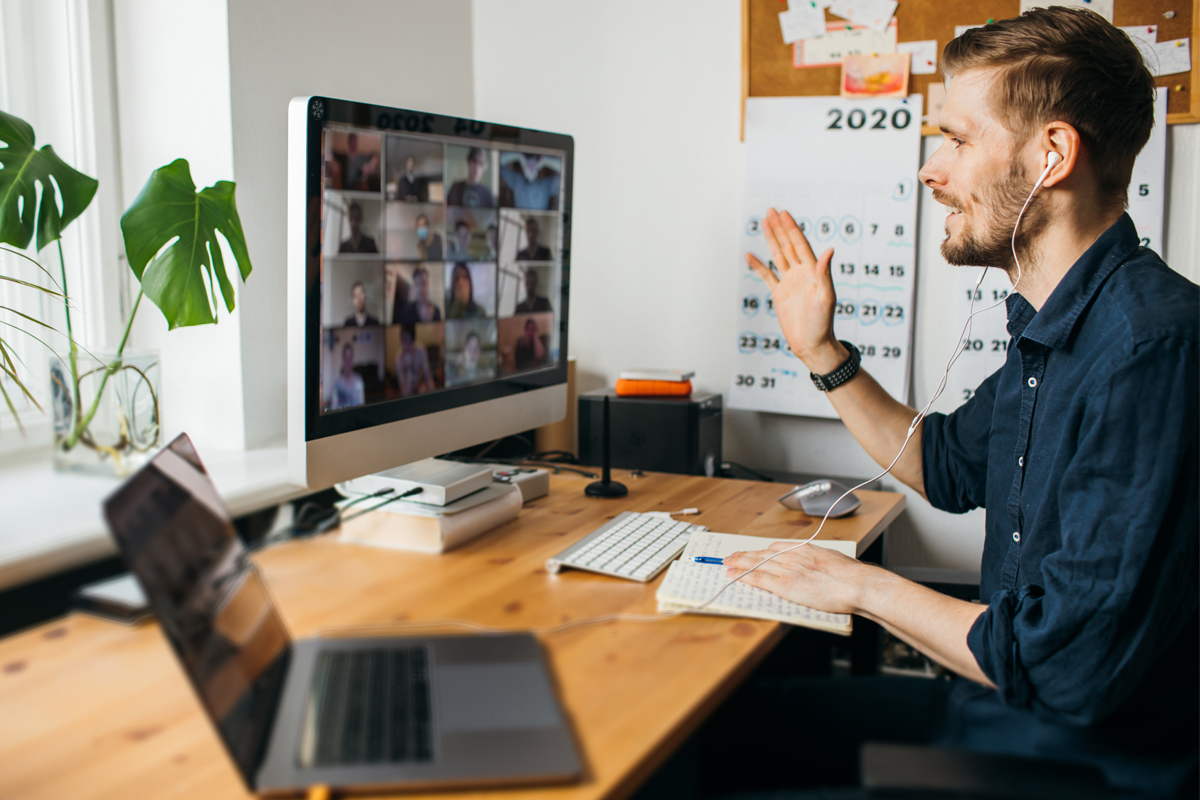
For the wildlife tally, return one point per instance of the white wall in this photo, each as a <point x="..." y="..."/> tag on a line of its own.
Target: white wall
<point x="651" y="93"/>
<point x="401" y="53"/>
<point x="172" y="72"/>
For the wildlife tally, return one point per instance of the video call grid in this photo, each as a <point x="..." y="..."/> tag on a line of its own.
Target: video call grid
<point x="464" y="288"/>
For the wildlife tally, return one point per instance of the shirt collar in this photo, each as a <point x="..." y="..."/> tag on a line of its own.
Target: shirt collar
<point x="1052" y="326"/>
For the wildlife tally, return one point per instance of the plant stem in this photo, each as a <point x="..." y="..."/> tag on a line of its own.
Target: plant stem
<point x="73" y="357"/>
<point x="82" y="424"/>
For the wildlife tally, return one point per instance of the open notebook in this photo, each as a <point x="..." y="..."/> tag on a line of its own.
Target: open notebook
<point x="688" y="584"/>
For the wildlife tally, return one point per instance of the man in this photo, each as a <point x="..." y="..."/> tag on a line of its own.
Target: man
<point x="362" y="171"/>
<point x="420" y="309"/>
<point x="412" y="364"/>
<point x="471" y="192"/>
<point x="360" y="318"/>
<point x="348" y="389"/>
<point x="409" y="187"/>
<point x="358" y="242"/>
<point x="1083" y="448"/>
<point x="533" y="250"/>
<point x="530" y="181"/>
<point x="533" y="302"/>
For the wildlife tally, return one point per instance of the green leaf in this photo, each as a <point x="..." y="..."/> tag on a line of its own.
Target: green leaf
<point x="171" y="243"/>
<point x="24" y="166"/>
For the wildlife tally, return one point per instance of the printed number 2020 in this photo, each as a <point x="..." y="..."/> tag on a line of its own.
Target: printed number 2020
<point x="857" y="118"/>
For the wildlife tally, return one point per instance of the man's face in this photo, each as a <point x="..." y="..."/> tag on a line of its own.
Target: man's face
<point x="463" y="235"/>
<point x="347" y="359"/>
<point x="352" y="144"/>
<point x="421" y="286"/>
<point x="475" y="168"/>
<point x="410" y="164"/>
<point x="355" y="219"/>
<point x="531" y="232"/>
<point x="531" y="282"/>
<point x="978" y="173"/>
<point x="359" y="296"/>
<point x="471" y="352"/>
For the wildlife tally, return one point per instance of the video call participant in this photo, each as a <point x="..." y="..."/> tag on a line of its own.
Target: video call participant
<point x="412" y="364"/>
<point x="533" y="302"/>
<point x="471" y="192"/>
<point x="530" y="350"/>
<point x="362" y="171"/>
<point x="358" y="242"/>
<point x="460" y="245"/>
<point x="360" y="317"/>
<point x="1084" y="448"/>
<point x="348" y="389"/>
<point x="472" y="348"/>
<point x="462" y="303"/>
<point x="420" y="309"/>
<point x="429" y="244"/>
<point x="411" y="188"/>
<point x="533" y="251"/>
<point x="529" y="182"/>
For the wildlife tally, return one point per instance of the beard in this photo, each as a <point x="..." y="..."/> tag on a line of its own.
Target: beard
<point x="990" y="242"/>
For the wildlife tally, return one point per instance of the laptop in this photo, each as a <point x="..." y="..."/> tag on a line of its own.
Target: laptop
<point x="351" y="713"/>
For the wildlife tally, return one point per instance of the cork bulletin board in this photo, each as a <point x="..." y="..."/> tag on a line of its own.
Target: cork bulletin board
<point x="767" y="69"/>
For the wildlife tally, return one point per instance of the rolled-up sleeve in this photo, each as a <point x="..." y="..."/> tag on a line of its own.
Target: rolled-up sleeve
<point x="954" y="451"/>
<point x="1110" y="598"/>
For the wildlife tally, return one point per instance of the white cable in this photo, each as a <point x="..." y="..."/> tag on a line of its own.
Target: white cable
<point x="959" y="348"/>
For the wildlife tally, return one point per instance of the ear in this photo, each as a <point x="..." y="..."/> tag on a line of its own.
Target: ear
<point x="1062" y="138"/>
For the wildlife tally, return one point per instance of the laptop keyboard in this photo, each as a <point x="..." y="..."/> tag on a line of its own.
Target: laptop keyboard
<point x="370" y="707"/>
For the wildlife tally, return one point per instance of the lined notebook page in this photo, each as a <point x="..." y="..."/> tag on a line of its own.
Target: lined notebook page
<point x="688" y="584"/>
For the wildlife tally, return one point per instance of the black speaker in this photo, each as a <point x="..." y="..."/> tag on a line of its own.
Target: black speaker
<point x="660" y="434"/>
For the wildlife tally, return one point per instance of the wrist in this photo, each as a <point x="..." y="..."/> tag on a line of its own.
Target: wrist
<point x="826" y="357"/>
<point x="868" y="590"/>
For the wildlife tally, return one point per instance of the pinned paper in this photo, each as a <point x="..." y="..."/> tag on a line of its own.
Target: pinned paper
<point x="843" y="39"/>
<point x="874" y="14"/>
<point x="822" y="4"/>
<point x="924" y="55"/>
<point x="1174" y="56"/>
<point x="803" y="20"/>
<point x="937" y="99"/>
<point x="875" y="75"/>
<point x="959" y="30"/>
<point x="1145" y="37"/>
<point x="1102" y="7"/>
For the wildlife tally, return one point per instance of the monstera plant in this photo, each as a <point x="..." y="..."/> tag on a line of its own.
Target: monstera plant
<point x="170" y="234"/>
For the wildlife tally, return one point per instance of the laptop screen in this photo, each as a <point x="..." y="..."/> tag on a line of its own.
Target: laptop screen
<point x="213" y="606"/>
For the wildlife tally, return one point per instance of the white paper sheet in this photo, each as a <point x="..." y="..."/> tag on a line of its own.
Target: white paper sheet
<point x="803" y="21"/>
<point x="1174" y="56"/>
<point x="843" y="39"/>
<point x="1102" y="7"/>
<point x="874" y="14"/>
<point x="924" y="55"/>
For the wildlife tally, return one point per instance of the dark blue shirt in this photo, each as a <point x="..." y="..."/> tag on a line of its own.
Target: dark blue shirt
<point x="1085" y="450"/>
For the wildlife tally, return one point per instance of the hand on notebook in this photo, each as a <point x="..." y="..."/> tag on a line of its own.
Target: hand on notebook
<point x="803" y="292"/>
<point x="811" y="576"/>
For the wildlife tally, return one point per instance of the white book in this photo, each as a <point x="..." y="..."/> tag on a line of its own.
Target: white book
<point x="671" y="375"/>
<point x="688" y="584"/>
<point x="429" y="529"/>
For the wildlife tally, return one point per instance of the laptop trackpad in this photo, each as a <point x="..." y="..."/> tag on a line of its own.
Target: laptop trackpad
<point x="495" y="696"/>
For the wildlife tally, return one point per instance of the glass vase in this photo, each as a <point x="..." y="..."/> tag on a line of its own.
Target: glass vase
<point x="109" y="422"/>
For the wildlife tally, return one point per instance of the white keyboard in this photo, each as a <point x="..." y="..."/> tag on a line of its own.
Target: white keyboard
<point x="631" y="545"/>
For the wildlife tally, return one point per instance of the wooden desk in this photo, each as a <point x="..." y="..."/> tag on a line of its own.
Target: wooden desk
<point x="94" y="709"/>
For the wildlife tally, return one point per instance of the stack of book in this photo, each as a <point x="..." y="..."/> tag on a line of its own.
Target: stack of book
<point x="654" y="383"/>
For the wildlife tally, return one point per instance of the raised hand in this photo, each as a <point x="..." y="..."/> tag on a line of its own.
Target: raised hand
<point x="802" y="293"/>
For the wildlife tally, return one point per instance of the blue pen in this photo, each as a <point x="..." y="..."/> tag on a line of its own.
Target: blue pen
<point x="707" y="560"/>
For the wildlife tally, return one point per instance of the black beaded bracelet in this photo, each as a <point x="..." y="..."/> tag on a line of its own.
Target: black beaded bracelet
<point x="845" y="372"/>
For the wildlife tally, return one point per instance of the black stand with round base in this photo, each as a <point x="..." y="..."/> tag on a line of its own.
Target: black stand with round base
<point x="605" y="487"/>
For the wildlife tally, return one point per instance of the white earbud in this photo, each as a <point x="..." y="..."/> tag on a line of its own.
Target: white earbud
<point x="1052" y="158"/>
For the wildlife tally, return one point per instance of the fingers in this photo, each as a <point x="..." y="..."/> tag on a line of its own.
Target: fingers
<point x="776" y="241"/>
<point x="763" y="271"/>
<point x="795" y="237"/>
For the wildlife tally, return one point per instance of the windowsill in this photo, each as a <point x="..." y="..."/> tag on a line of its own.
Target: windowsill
<point x="51" y="521"/>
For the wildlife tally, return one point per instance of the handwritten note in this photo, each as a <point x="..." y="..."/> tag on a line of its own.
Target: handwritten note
<point x="1174" y="56"/>
<point x="803" y="20"/>
<point x="924" y="55"/>
<point x="688" y="585"/>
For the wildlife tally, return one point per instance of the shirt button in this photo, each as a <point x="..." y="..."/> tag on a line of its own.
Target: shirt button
<point x="1032" y="383"/>
<point x="1021" y="461"/>
<point x="1016" y="536"/>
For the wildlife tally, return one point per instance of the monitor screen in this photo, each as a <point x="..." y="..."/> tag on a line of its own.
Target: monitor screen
<point x="442" y="250"/>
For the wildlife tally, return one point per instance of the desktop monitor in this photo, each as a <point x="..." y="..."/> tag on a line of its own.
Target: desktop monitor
<point x="428" y="277"/>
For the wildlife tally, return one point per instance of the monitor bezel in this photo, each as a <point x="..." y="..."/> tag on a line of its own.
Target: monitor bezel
<point x="324" y="111"/>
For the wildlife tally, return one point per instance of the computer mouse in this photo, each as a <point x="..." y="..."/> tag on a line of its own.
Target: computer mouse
<point x="815" y="499"/>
